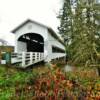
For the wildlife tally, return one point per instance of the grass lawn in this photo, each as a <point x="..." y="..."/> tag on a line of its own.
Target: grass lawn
<point x="49" y="82"/>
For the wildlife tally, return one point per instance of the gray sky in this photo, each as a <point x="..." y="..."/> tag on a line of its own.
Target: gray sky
<point x="13" y="12"/>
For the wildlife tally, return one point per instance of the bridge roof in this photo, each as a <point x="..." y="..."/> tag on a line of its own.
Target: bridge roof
<point x="49" y="29"/>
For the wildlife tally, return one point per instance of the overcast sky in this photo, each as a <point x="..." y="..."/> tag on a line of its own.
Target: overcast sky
<point x="13" y="12"/>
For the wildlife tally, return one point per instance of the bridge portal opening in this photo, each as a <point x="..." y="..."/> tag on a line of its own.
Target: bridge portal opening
<point x="31" y="42"/>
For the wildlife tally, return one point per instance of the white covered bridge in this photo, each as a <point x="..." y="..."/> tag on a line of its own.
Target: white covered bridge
<point x="35" y="42"/>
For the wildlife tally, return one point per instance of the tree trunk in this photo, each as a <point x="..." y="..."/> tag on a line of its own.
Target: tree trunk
<point x="99" y="71"/>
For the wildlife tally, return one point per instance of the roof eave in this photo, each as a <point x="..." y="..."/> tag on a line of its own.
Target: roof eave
<point x="49" y="28"/>
<point x="56" y="36"/>
<point x="23" y="23"/>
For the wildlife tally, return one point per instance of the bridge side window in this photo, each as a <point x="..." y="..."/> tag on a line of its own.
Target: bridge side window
<point x="57" y="50"/>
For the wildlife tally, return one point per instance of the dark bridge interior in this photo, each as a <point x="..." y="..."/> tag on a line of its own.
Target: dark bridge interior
<point x="34" y="42"/>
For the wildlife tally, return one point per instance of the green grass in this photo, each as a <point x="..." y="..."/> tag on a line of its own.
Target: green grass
<point x="10" y="78"/>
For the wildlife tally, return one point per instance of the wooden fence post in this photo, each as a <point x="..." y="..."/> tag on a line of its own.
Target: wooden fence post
<point x="35" y="56"/>
<point x="31" y="57"/>
<point x="23" y="58"/>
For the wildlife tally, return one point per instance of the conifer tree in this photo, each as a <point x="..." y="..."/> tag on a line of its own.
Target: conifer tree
<point x="65" y="17"/>
<point x="84" y="32"/>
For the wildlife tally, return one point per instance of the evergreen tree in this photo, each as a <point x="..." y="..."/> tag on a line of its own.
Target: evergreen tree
<point x="84" y="32"/>
<point x="65" y="17"/>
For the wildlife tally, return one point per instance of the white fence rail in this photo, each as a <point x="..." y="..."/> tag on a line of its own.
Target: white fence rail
<point x="26" y="58"/>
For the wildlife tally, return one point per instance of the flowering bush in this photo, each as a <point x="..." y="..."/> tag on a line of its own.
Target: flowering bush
<point x="58" y="85"/>
<point x="48" y="84"/>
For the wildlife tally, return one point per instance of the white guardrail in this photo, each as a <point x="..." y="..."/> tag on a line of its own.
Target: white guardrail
<point x="26" y="58"/>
